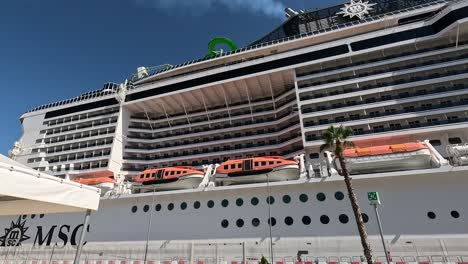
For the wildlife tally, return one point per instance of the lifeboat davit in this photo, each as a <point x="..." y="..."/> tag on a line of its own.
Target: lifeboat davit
<point x="171" y="178"/>
<point x="104" y="183"/>
<point x="255" y="170"/>
<point x="386" y="158"/>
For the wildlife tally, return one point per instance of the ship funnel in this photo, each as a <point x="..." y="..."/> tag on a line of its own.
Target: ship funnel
<point x="290" y="12"/>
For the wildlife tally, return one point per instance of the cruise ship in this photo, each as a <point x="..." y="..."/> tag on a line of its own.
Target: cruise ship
<point x="217" y="160"/>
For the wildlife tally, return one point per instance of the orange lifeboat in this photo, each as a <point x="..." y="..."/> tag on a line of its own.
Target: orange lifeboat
<point x="387" y="158"/>
<point x="94" y="181"/>
<point x="255" y="170"/>
<point x="171" y="178"/>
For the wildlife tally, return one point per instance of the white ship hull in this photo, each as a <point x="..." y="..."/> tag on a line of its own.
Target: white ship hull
<point x="420" y="159"/>
<point x="283" y="173"/>
<point x="407" y="200"/>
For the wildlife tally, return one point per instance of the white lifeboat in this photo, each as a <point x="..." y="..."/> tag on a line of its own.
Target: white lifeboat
<point x="387" y="158"/>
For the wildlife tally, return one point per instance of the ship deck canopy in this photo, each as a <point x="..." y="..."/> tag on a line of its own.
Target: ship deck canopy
<point x="27" y="191"/>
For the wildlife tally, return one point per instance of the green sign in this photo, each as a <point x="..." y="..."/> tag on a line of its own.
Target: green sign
<point x="373" y="197"/>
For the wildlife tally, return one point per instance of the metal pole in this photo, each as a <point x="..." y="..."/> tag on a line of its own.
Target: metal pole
<point x="148" y="231"/>
<point x="381" y="233"/>
<point x="269" y="218"/>
<point x="82" y="237"/>
<point x="243" y="253"/>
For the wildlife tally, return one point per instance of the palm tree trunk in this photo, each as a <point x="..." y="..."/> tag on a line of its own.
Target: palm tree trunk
<point x="357" y="211"/>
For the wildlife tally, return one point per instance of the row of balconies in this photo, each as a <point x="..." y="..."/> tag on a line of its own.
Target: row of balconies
<point x="225" y="128"/>
<point x="81" y="157"/>
<point x="75" y="137"/>
<point x="420" y="106"/>
<point x="77" y="167"/>
<point x="235" y="138"/>
<point x="216" y="112"/>
<point x="422" y="76"/>
<point x="364" y="59"/>
<point x="135" y="167"/>
<point x="218" y="150"/>
<point x="395" y="68"/>
<point x="105" y="113"/>
<point x="80" y="126"/>
<point x="80" y="146"/>
<point x="412" y="92"/>
<point x="397" y="126"/>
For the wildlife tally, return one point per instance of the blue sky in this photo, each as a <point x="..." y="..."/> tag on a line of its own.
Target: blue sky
<point x="54" y="49"/>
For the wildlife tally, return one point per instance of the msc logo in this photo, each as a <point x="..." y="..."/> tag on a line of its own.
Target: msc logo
<point x="15" y="234"/>
<point x="356" y="8"/>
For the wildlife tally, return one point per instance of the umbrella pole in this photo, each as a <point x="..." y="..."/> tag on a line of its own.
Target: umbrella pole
<point x="83" y="233"/>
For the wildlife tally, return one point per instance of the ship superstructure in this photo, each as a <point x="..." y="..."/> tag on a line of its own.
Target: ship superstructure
<point x="396" y="72"/>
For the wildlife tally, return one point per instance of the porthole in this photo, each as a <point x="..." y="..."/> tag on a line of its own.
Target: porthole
<point x="431" y="215"/>
<point x="303" y="197"/>
<point x="239" y="202"/>
<point x="183" y="206"/>
<point x="134" y="209"/>
<point x="306" y="220"/>
<point x="240" y="223"/>
<point x="344" y="219"/>
<point x="24" y="216"/>
<point x="158" y="207"/>
<point x="454" y="214"/>
<point x="286" y="199"/>
<point x="339" y="196"/>
<point x="254" y="201"/>
<point x="321" y="197"/>
<point x="365" y="218"/>
<point x="272" y="221"/>
<point x="324" y="219"/>
<point x="288" y="220"/>
<point x="255" y="222"/>
<point x="146" y="208"/>
<point x="224" y="203"/>
<point x="210" y="204"/>
<point x="225" y="223"/>
<point x="41" y="216"/>
<point x="196" y="204"/>
<point x="270" y="200"/>
<point x="170" y="206"/>
<point x="33" y="216"/>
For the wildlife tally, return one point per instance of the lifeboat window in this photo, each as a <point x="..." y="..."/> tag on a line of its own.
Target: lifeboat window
<point x="321" y="197"/>
<point x="153" y="175"/>
<point x="255" y="222"/>
<point x="239" y="202"/>
<point x="142" y="176"/>
<point x="148" y="175"/>
<point x="365" y="218"/>
<point x="272" y="221"/>
<point x="263" y="163"/>
<point x="455" y="140"/>
<point x="271" y="162"/>
<point x="339" y="196"/>
<point x="324" y="219"/>
<point x="158" y="207"/>
<point x="288" y="220"/>
<point x="226" y="167"/>
<point x="435" y="142"/>
<point x="170" y="206"/>
<point x="184" y="172"/>
<point x="303" y="198"/>
<point x="178" y="172"/>
<point x="306" y="220"/>
<point x="254" y="201"/>
<point x="279" y="162"/>
<point x="166" y="173"/>
<point x="455" y="214"/>
<point x="233" y="166"/>
<point x="196" y="205"/>
<point x="225" y="223"/>
<point x="314" y="155"/>
<point x="225" y="203"/>
<point x="146" y="208"/>
<point x="431" y="215"/>
<point x="210" y="204"/>
<point x="240" y="223"/>
<point x="344" y="219"/>
<point x="270" y="200"/>
<point x="183" y="206"/>
<point x="239" y="166"/>
<point x="286" y="199"/>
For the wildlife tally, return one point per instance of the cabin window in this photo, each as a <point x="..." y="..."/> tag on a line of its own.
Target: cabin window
<point x="255" y="222"/>
<point x="306" y="220"/>
<point x="226" y="167"/>
<point x="233" y="166"/>
<point x="263" y="163"/>
<point x="344" y="219"/>
<point x="288" y="220"/>
<point x="455" y="214"/>
<point x="435" y="142"/>
<point x="225" y="223"/>
<point x="324" y="219"/>
<point x="455" y="140"/>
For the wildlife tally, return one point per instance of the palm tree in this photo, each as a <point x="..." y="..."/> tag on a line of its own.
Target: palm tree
<point x="335" y="140"/>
